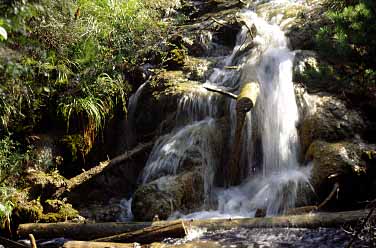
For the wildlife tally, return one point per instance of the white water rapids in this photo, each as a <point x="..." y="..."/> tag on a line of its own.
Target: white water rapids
<point x="275" y="177"/>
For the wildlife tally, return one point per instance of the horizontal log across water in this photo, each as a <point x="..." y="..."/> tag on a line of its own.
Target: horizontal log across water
<point x="91" y="231"/>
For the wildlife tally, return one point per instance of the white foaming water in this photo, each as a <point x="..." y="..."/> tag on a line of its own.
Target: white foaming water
<point x="196" y="106"/>
<point x="193" y="144"/>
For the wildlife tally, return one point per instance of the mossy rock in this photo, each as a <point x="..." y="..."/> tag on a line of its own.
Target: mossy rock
<point x="44" y="185"/>
<point x="327" y="118"/>
<point x="57" y="210"/>
<point x="164" y="196"/>
<point x="341" y="163"/>
<point x="27" y="212"/>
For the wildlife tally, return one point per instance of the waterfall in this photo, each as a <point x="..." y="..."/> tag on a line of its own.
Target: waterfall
<point x="275" y="177"/>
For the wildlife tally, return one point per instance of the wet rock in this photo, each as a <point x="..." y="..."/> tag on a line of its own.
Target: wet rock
<point x="326" y="118"/>
<point x="58" y="210"/>
<point x="168" y="194"/>
<point x="197" y="69"/>
<point x="99" y="212"/>
<point x="341" y="163"/>
<point x="212" y="28"/>
<point x="301" y="32"/>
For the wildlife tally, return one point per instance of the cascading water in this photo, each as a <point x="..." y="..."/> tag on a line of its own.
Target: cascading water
<point x="274" y="174"/>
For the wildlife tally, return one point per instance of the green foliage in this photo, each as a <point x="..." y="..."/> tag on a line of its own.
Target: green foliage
<point x="11" y="161"/>
<point x="6" y="205"/>
<point x="65" y="60"/>
<point x="351" y="36"/>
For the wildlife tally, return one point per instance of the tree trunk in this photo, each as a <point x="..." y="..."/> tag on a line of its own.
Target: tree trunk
<point x="245" y="102"/>
<point x="78" y="231"/>
<point x="87" y="175"/>
<point x="149" y="234"/>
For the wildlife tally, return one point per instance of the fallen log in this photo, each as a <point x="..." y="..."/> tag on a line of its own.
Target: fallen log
<point x="78" y="231"/>
<point x="87" y="175"/>
<point x="149" y="234"/>
<point x="244" y="103"/>
<point x="91" y="244"/>
<point x="95" y="230"/>
<point x="312" y="220"/>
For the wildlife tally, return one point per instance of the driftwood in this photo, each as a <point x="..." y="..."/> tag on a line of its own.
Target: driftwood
<point x="87" y="175"/>
<point x="245" y="102"/>
<point x="220" y="91"/>
<point x="150" y="234"/>
<point x="11" y="244"/>
<point x="78" y="231"/>
<point x="88" y="244"/>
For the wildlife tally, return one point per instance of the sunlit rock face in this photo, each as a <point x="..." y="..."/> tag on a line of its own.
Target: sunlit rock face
<point x="346" y="163"/>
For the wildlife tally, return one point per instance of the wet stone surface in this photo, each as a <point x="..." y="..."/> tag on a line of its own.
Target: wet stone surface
<point x="277" y="237"/>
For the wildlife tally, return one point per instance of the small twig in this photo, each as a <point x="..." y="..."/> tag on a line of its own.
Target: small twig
<point x="330" y="196"/>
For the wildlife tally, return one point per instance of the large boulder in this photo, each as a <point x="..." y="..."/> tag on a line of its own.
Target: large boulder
<point x="341" y="163"/>
<point x="327" y="118"/>
<point x="168" y="194"/>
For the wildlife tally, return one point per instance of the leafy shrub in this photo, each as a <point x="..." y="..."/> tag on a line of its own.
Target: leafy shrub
<point x="66" y="60"/>
<point x="352" y="36"/>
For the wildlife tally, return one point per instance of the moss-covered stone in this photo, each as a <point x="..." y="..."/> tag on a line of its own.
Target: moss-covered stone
<point x="57" y="210"/>
<point x="168" y="194"/>
<point x="341" y="163"/>
<point x="44" y="185"/>
<point x="327" y="118"/>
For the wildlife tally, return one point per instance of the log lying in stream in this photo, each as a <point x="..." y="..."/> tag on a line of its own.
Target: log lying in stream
<point x="149" y="234"/>
<point x="78" y="231"/>
<point x="244" y="103"/>
<point x="96" y="230"/>
<point x="314" y="220"/>
<point x="88" y="244"/>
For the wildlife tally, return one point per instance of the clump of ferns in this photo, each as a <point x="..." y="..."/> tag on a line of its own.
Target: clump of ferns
<point x="96" y="104"/>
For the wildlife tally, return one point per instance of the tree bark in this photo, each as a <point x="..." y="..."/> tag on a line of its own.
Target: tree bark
<point x="149" y="234"/>
<point x="78" y="231"/>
